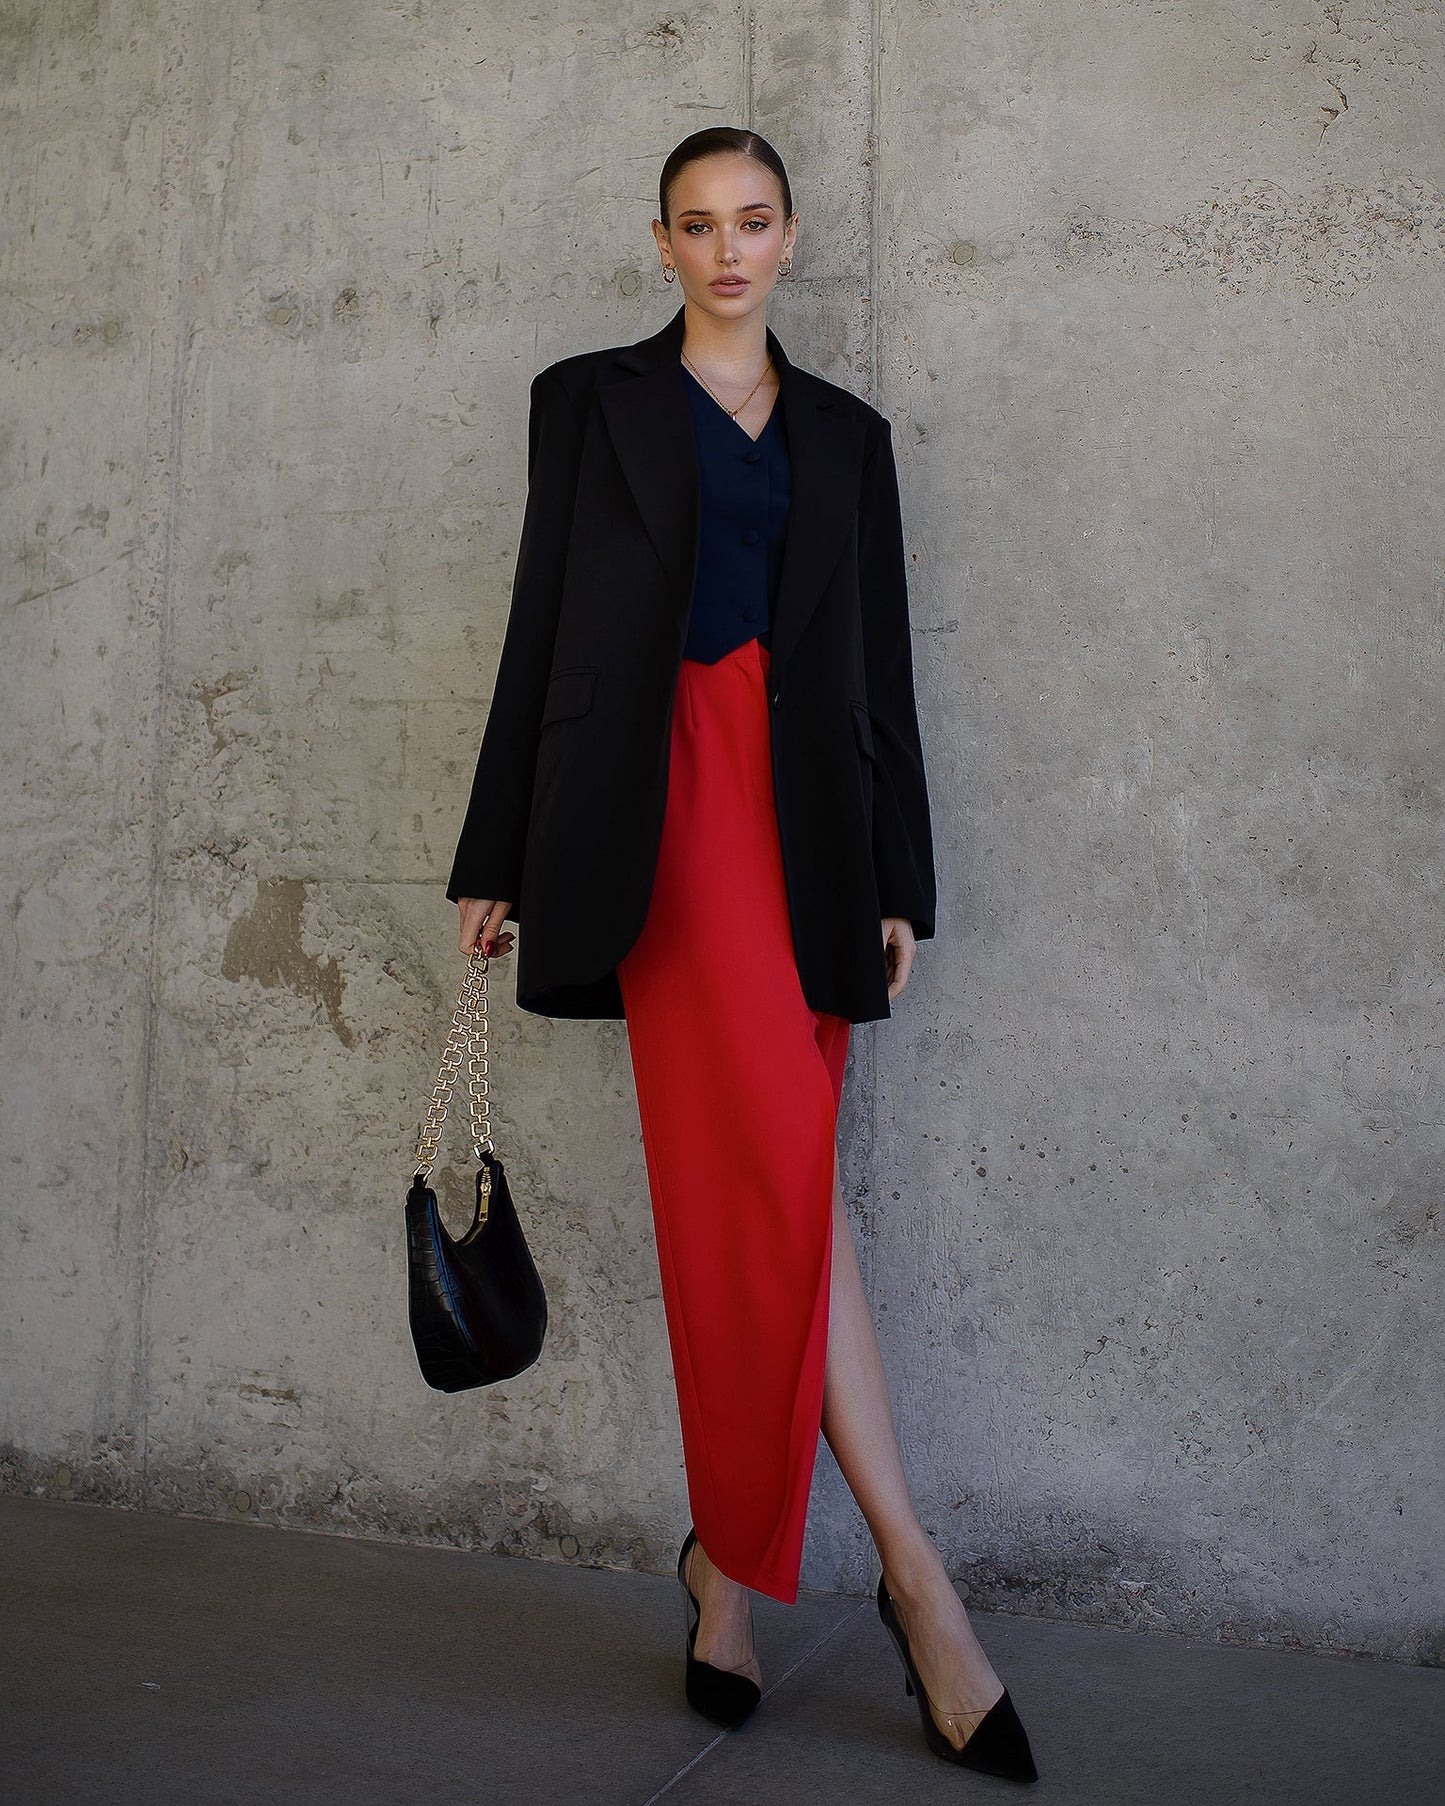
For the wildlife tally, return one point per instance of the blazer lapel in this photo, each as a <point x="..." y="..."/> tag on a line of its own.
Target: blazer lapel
<point x="650" y="424"/>
<point x="825" y="446"/>
<point x="651" y="429"/>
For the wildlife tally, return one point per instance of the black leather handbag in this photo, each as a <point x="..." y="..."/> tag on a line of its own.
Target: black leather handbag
<point x="477" y="1307"/>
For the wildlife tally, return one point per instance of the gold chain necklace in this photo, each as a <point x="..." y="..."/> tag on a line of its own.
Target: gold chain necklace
<point x="732" y="413"/>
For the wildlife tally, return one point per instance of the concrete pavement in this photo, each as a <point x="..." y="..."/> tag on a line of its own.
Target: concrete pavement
<point x="166" y="1661"/>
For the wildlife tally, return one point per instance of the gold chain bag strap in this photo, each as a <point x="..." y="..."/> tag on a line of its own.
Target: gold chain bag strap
<point x="476" y="1305"/>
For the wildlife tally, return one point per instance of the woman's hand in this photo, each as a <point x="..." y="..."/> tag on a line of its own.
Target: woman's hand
<point x="899" y="948"/>
<point x="482" y="926"/>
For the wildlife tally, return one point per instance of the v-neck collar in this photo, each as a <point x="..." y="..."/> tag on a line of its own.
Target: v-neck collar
<point x="653" y="430"/>
<point x="714" y="402"/>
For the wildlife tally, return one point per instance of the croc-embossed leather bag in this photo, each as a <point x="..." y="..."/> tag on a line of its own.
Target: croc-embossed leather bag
<point x="476" y="1304"/>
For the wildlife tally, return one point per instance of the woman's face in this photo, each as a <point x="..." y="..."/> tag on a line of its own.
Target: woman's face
<point x="728" y="233"/>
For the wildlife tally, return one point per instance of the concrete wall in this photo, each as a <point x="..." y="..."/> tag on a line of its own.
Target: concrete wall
<point x="1145" y="1168"/>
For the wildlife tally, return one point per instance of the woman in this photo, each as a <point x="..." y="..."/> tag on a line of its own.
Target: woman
<point x="701" y="785"/>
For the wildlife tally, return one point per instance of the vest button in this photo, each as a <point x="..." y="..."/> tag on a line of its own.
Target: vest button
<point x="750" y="538"/>
<point x="752" y="457"/>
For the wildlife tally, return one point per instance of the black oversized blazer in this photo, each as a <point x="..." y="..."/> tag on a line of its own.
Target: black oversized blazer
<point x="566" y="809"/>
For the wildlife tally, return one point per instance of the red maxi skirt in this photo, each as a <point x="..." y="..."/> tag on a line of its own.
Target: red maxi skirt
<point x="738" y="1086"/>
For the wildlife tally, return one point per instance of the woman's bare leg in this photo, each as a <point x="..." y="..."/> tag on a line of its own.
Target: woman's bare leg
<point x="858" y="1423"/>
<point x="724" y="1624"/>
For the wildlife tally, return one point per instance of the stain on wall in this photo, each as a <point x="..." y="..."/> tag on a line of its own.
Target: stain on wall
<point x="1327" y="243"/>
<point x="265" y="944"/>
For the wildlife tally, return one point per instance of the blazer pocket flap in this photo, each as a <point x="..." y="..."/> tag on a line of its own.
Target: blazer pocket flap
<point x="569" y="693"/>
<point x="863" y="727"/>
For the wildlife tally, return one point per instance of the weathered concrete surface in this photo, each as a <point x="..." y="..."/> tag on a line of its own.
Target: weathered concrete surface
<point x="1161" y="332"/>
<point x="1144" y="1169"/>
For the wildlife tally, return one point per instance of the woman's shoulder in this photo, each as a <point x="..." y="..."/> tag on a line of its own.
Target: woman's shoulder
<point x="850" y="405"/>
<point x="573" y="376"/>
<point x="576" y="375"/>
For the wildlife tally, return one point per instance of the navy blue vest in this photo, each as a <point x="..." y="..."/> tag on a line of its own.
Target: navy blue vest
<point x="746" y="490"/>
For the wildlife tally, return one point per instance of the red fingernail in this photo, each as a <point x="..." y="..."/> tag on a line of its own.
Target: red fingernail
<point x="487" y="948"/>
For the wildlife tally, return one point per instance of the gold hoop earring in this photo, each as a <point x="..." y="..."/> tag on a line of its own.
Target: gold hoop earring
<point x="668" y="273"/>
<point x="786" y="269"/>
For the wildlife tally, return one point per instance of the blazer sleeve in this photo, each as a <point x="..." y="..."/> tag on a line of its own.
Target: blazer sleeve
<point x="489" y="853"/>
<point x="902" y="830"/>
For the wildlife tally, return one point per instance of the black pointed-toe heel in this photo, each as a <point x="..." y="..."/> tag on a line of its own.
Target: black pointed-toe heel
<point x="998" y="1745"/>
<point x="719" y="1694"/>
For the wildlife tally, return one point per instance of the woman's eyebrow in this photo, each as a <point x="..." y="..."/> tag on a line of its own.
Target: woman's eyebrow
<point x="703" y="213"/>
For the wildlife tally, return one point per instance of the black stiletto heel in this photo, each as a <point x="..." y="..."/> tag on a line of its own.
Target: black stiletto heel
<point x="998" y="1746"/>
<point x="719" y="1694"/>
